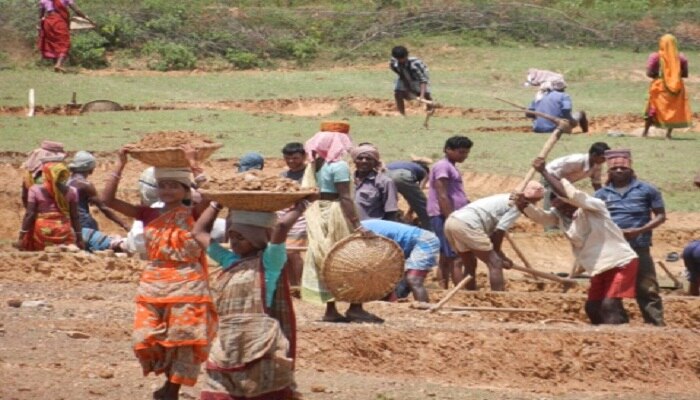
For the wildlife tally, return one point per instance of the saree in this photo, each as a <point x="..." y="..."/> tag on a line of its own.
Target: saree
<point x="175" y="320"/>
<point x="53" y="223"/>
<point x="668" y="105"/>
<point x="253" y="355"/>
<point x="54" y="33"/>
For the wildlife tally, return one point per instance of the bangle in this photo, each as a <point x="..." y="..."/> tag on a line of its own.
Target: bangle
<point x="215" y="206"/>
<point x="200" y="178"/>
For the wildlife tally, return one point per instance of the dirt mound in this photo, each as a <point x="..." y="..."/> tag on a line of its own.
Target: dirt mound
<point x="54" y="264"/>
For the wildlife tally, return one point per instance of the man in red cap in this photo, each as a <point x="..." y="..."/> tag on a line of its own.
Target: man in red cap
<point x="637" y="208"/>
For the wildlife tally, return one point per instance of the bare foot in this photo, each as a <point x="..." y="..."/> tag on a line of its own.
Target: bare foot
<point x="59" y="70"/>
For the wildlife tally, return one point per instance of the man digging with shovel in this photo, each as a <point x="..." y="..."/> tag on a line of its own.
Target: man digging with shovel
<point x="412" y="79"/>
<point x="597" y="242"/>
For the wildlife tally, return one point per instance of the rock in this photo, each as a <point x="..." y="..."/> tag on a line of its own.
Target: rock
<point x="34" y="304"/>
<point x="52" y="249"/>
<point x="92" y="297"/>
<point x="14" y="303"/>
<point x="122" y="255"/>
<point x="318" y="389"/>
<point x="77" y="335"/>
<point x="106" y="374"/>
<point x="43" y="267"/>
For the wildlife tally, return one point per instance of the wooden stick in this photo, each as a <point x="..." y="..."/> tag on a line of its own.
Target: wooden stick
<point x="452" y="292"/>
<point x="428" y="114"/>
<point x="530" y="112"/>
<point x="544" y="275"/>
<point x="676" y="282"/>
<point x="519" y="252"/>
<point x="553" y="138"/>
<point x="492" y="309"/>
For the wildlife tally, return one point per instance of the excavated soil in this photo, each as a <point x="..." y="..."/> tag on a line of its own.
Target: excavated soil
<point x="511" y="121"/>
<point x="253" y="180"/>
<point x="159" y="140"/>
<point x="78" y="337"/>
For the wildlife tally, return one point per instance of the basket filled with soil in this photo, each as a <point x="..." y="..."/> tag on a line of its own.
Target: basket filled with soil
<point x="255" y="191"/>
<point x="163" y="149"/>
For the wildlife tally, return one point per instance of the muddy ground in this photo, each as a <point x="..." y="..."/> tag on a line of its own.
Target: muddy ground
<point x="76" y="343"/>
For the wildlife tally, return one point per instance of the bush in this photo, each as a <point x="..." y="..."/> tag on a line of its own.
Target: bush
<point x="301" y="50"/>
<point x="167" y="56"/>
<point x="243" y="59"/>
<point x="88" y="51"/>
<point x="167" y="23"/>
<point x="119" y="30"/>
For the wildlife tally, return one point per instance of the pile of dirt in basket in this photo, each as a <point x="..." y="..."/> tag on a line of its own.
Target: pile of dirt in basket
<point x="253" y="181"/>
<point x="159" y="140"/>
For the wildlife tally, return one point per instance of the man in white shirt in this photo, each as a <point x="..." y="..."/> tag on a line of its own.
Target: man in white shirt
<point x="597" y="242"/>
<point x="479" y="228"/>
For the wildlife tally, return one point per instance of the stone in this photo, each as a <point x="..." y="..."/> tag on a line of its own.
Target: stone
<point x="14" y="303"/>
<point x="34" y="304"/>
<point x="318" y="389"/>
<point x="106" y="374"/>
<point x="77" y="335"/>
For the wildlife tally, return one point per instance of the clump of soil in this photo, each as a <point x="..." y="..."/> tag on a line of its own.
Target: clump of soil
<point x="159" y="140"/>
<point x="253" y="181"/>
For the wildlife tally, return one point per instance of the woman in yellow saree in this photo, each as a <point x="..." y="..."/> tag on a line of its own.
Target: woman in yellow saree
<point x="668" y="106"/>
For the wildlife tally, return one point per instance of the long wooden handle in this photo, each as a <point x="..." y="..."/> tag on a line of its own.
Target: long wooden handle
<point x="556" y="134"/>
<point x="519" y="252"/>
<point x="452" y="292"/>
<point x="544" y="275"/>
<point x="676" y="282"/>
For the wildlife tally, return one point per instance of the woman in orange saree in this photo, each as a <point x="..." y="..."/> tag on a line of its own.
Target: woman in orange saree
<point x="668" y="106"/>
<point x="175" y="321"/>
<point x="51" y="217"/>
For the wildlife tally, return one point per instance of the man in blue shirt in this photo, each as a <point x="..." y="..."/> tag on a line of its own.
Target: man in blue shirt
<point x="410" y="178"/>
<point x="557" y="103"/>
<point x="637" y="208"/>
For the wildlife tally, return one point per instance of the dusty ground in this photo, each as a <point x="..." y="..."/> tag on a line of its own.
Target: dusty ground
<point x="316" y="107"/>
<point x="549" y="353"/>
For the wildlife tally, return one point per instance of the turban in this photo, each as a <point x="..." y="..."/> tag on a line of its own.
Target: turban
<point x="330" y="146"/>
<point x="82" y="162"/>
<point x="533" y="191"/>
<point x="619" y="158"/>
<point x="180" y="175"/>
<point x="254" y="226"/>
<point x="366" y="149"/>
<point x="48" y="152"/>
<point x="250" y="161"/>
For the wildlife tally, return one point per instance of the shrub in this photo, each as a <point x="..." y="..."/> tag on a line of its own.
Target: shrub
<point x="167" y="56"/>
<point x="243" y="59"/>
<point x="166" y="23"/>
<point x="119" y="30"/>
<point x="87" y="50"/>
<point x="301" y="50"/>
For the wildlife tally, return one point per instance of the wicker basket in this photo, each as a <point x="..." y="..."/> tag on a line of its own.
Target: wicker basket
<point x="360" y="269"/>
<point x="173" y="157"/>
<point x="255" y="200"/>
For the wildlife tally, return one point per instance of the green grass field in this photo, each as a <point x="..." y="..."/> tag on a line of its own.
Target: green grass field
<point x="604" y="82"/>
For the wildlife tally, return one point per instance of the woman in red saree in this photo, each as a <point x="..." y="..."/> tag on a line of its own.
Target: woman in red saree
<point x="52" y="211"/>
<point x="54" y="29"/>
<point x="175" y="320"/>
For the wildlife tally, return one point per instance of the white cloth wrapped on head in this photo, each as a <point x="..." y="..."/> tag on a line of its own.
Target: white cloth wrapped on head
<point x="83" y="162"/>
<point x="180" y="175"/>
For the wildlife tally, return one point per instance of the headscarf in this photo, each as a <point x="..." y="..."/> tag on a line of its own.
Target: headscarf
<point x="83" y="162"/>
<point x="56" y="174"/>
<point x="670" y="63"/>
<point x="250" y="161"/>
<point x="533" y="191"/>
<point x="368" y="150"/>
<point x="618" y="158"/>
<point x="148" y="186"/>
<point x="180" y="175"/>
<point x="48" y="152"/>
<point x="254" y="226"/>
<point x="330" y="146"/>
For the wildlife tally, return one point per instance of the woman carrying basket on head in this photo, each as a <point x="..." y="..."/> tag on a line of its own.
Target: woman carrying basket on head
<point x="253" y="354"/>
<point x="175" y="321"/>
<point x="330" y="219"/>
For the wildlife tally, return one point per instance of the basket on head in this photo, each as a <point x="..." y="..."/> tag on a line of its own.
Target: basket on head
<point x="360" y="269"/>
<point x="255" y="200"/>
<point x="173" y="157"/>
<point x="335" y="126"/>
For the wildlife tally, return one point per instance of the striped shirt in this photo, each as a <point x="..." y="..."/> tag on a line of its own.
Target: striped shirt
<point x="414" y="70"/>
